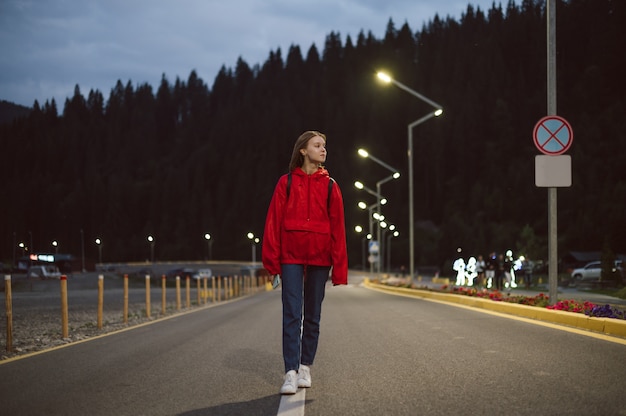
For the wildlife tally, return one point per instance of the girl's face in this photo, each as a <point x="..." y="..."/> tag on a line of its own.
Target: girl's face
<point x="315" y="150"/>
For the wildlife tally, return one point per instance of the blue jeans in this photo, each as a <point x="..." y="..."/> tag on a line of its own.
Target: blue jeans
<point x="302" y="307"/>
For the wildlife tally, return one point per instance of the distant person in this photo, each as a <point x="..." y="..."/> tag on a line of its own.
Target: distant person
<point x="480" y="270"/>
<point x="500" y="271"/>
<point x="459" y="267"/>
<point x="509" y="274"/>
<point x="304" y="237"/>
<point x="470" y="271"/>
<point x="527" y="267"/>
<point x="490" y="270"/>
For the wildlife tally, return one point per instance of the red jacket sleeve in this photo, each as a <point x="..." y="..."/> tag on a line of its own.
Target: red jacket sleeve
<point x="271" y="235"/>
<point x="339" y="251"/>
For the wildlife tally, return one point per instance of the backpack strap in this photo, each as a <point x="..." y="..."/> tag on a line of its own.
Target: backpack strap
<point x="330" y="188"/>
<point x="288" y="184"/>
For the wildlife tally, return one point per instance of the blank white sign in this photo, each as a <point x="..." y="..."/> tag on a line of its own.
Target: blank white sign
<point x="553" y="171"/>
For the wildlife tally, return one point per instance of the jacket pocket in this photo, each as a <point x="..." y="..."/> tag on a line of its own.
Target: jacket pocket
<point x="319" y="227"/>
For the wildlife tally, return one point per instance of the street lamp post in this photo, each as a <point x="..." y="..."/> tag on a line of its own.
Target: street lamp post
<point x="438" y="111"/>
<point x="359" y="230"/>
<point x="380" y="200"/>
<point x="365" y="154"/>
<point x="369" y="208"/>
<point x="255" y="241"/>
<point x="209" y="243"/>
<point x="82" y="248"/>
<point x="99" y="244"/>
<point x="151" y="241"/>
<point x="394" y="234"/>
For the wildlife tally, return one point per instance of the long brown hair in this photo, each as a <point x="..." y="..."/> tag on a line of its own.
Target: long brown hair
<point x="297" y="159"/>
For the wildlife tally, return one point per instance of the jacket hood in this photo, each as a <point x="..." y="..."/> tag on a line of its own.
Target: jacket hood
<point x="318" y="172"/>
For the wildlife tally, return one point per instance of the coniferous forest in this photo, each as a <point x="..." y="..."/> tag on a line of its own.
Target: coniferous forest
<point x="185" y="158"/>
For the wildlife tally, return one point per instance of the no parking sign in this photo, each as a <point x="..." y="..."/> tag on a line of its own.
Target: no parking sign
<point x="553" y="136"/>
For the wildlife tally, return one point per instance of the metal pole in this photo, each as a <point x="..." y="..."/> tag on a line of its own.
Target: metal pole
<point x="369" y="209"/>
<point x="411" y="197"/>
<point x="82" y="247"/>
<point x="380" y="243"/>
<point x="552" y="192"/>
<point x="411" y="209"/>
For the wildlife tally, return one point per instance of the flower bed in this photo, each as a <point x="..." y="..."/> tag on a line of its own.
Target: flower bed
<point x="541" y="300"/>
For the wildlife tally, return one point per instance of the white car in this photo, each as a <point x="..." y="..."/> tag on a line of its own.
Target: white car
<point x="592" y="271"/>
<point x="44" y="272"/>
<point x="203" y="273"/>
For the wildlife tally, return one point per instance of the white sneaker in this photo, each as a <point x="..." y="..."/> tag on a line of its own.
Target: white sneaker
<point x="304" y="376"/>
<point x="290" y="386"/>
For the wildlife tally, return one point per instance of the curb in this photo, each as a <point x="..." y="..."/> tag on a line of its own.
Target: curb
<point x="608" y="326"/>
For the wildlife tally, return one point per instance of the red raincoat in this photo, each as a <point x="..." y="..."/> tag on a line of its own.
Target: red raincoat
<point x="304" y="227"/>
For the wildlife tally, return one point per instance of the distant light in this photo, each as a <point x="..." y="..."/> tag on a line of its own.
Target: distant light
<point x="358" y="185"/>
<point x="396" y="175"/>
<point x="362" y="205"/>
<point x="358" y="228"/>
<point x="439" y="112"/>
<point x="384" y="77"/>
<point x="363" y="153"/>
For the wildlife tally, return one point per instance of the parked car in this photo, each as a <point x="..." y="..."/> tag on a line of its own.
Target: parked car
<point x="592" y="272"/>
<point x="43" y="272"/>
<point x="202" y="273"/>
<point x="182" y="272"/>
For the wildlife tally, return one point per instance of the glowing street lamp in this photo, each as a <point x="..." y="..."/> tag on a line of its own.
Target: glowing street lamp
<point x="55" y="244"/>
<point x="359" y="185"/>
<point x="436" y="113"/>
<point x="365" y="154"/>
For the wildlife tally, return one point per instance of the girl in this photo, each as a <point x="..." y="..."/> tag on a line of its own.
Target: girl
<point x="304" y="237"/>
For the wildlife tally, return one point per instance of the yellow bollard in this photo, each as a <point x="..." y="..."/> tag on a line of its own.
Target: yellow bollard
<point x="188" y="287"/>
<point x="205" y="293"/>
<point x="100" y="299"/>
<point x="163" y="296"/>
<point x="9" y="310"/>
<point x="147" y="295"/>
<point x="198" y="291"/>
<point x="177" y="293"/>
<point x="212" y="289"/>
<point x="219" y="289"/>
<point x="64" y="311"/>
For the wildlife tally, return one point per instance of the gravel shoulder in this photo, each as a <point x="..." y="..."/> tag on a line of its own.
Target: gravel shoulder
<point x="37" y="319"/>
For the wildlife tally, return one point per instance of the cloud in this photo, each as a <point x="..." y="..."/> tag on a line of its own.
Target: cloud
<point x="49" y="46"/>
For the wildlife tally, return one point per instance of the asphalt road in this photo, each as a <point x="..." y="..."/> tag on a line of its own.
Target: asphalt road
<point x="379" y="354"/>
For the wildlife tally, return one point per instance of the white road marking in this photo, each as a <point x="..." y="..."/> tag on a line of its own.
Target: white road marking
<point x="292" y="405"/>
